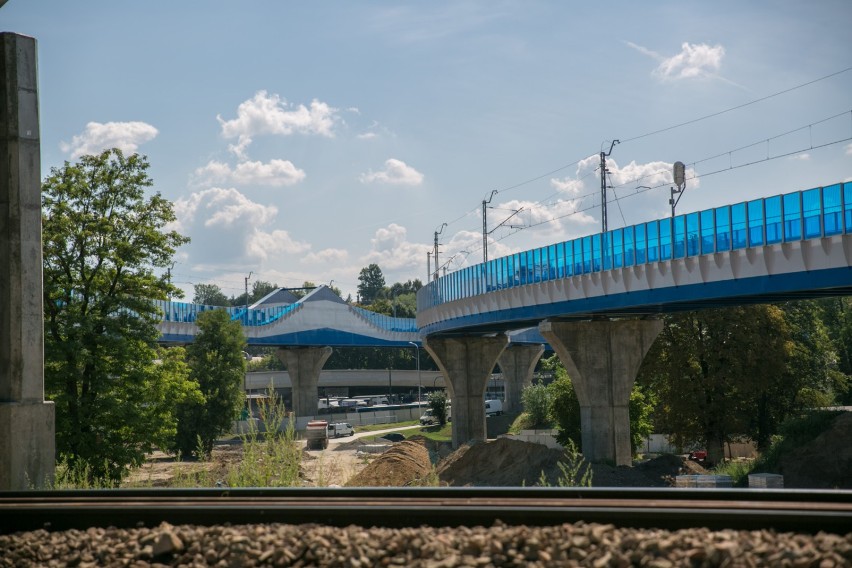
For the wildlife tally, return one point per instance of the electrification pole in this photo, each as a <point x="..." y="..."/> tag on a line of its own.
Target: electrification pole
<point x="438" y="232"/>
<point x="604" y="156"/>
<point x="247" y="279"/>
<point x="485" y="226"/>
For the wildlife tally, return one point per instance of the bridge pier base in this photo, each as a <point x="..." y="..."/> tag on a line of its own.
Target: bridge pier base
<point x="304" y="365"/>
<point x="602" y="358"/>
<point x="467" y="363"/>
<point x="517" y="363"/>
<point x="27" y="440"/>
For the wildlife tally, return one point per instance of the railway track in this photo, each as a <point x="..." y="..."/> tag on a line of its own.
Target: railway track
<point x="742" y="509"/>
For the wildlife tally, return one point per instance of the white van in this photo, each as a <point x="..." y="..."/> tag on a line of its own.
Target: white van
<point x="430" y="418"/>
<point x="339" y="429"/>
<point x="493" y="407"/>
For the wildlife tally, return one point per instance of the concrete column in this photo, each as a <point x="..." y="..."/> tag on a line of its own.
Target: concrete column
<point x="27" y="440"/>
<point x="304" y="365"/>
<point x="602" y="358"/>
<point x="467" y="363"/>
<point x="517" y="364"/>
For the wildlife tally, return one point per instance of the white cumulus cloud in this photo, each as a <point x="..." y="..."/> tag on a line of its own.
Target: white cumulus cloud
<point x="228" y="229"/>
<point x="391" y="249"/>
<point x="270" y="114"/>
<point x="223" y="208"/>
<point x="326" y="256"/>
<point x="97" y="137"/>
<point x="694" y="60"/>
<point x="849" y="150"/>
<point x="275" y="173"/>
<point x="262" y="245"/>
<point x="396" y="172"/>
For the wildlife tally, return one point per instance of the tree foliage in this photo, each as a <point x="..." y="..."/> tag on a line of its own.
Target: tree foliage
<point x="438" y="404"/>
<point x="371" y="283"/>
<point x="536" y="401"/>
<point x="102" y="240"/>
<point x="210" y="295"/>
<point x="217" y="367"/>
<point x="720" y="373"/>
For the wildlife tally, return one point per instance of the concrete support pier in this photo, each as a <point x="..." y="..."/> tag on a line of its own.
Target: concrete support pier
<point x="304" y="365"/>
<point x="27" y="435"/>
<point x="467" y="363"/>
<point x="602" y="358"/>
<point x="517" y="364"/>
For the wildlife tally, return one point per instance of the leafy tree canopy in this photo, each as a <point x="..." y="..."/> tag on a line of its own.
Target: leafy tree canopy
<point x="210" y="295"/>
<point x="721" y="373"/>
<point x="218" y="369"/>
<point x="371" y="283"/>
<point x="103" y="238"/>
<point x="438" y="402"/>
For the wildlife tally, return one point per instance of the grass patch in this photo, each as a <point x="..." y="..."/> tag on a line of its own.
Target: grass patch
<point x="435" y="433"/>
<point x="374" y="427"/>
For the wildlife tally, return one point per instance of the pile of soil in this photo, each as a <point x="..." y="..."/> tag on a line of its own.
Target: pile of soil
<point x="402" y="464"/>
<point x="825" y="463"/>
<point x="514" y="463"/>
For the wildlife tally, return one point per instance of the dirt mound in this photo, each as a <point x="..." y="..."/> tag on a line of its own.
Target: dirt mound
<point x="658" y="472"/>
<point x="402" y="464"/>
<point x="513" y="463"/>
<point x="825" y="463"/>
<point x="501" y="463"/>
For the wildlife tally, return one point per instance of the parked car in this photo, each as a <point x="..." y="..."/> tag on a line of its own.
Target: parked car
<point x="338" y="429"/>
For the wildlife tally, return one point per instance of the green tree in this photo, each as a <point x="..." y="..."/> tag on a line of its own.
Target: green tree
<point x="837" y="318"/>
<point x="209" y="295"/>
<point x="103" y="239"/>
<point x="261" y="288"/>
<point x="371" y="283"/>
<point x="715" y="370"/>
<point x="438" y="404"/>
<point x="536" y="401"/>
<point x="217" y="366"/>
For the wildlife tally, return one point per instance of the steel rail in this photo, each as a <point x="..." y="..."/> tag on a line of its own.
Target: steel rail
<point x="746" y="509"/>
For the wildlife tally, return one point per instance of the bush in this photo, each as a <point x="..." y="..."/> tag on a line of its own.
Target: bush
<point x="536" y="401"/>
<point x="438" y="405"/>
<point x="793" y="433"/>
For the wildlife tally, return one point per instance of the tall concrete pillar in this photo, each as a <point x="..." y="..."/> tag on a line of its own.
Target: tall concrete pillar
<point x="467" y="363"/>
<point x="517" y="364"/>
<point x="602" y="358"/>
<point x="304" y="365"/>
<point x="27" y="436"/>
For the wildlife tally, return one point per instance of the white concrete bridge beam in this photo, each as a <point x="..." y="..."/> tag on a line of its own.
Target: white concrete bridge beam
<point x="517" y="363"/>
<point x="304" y="365"/>
<point x="467" y="363"/>
<point x="602" y="358"/>
<point x="27" y="436"/>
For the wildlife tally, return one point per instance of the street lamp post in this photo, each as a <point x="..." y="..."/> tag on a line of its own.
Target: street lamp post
<point x="419" y="381"/>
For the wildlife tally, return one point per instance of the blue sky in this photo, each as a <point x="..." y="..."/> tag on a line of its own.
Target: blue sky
<point x="306" y="140"/>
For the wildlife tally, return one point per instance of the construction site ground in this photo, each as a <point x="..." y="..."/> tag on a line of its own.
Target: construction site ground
<point x="501" y="462"/>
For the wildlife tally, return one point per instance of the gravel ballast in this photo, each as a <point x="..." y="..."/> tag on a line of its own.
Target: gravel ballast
<point x="577" y="544"/>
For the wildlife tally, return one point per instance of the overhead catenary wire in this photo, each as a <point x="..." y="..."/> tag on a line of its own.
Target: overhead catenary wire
<point x="730" y="167"/>
<point x="662" y="130"/>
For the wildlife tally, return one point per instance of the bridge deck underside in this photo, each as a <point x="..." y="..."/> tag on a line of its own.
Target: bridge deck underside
<point x="757" y="290"/>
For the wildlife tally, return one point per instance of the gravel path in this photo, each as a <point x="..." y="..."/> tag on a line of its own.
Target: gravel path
<point x="577" y="544"/>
